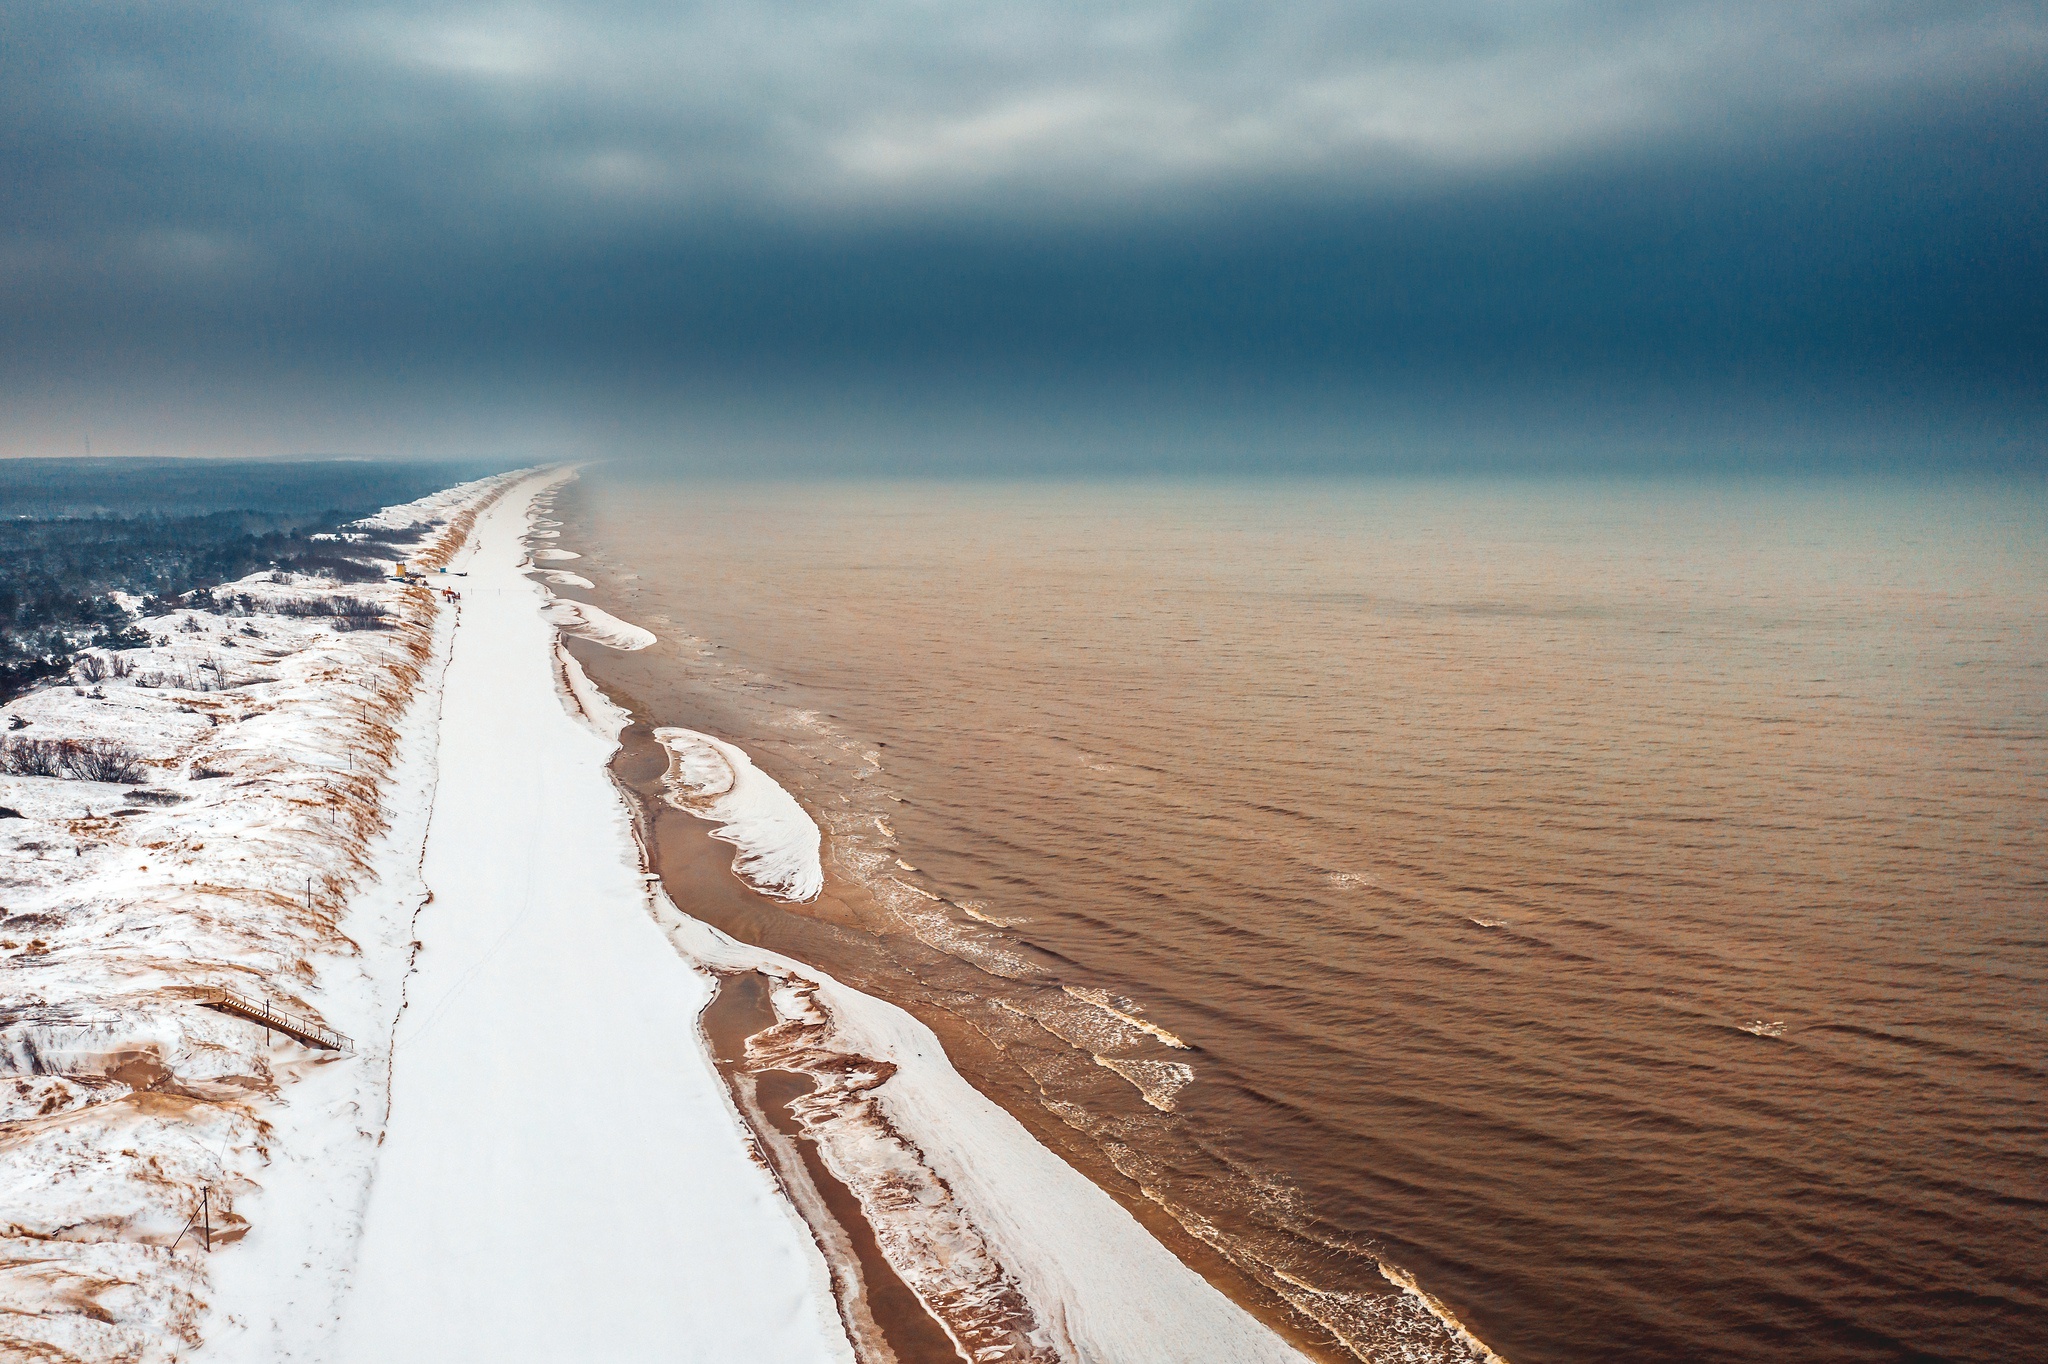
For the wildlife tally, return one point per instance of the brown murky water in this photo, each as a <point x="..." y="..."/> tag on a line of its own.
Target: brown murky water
<point x="1619" y="908"/>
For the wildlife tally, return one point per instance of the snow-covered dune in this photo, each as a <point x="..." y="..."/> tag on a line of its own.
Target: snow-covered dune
<point x="269" y="844"/>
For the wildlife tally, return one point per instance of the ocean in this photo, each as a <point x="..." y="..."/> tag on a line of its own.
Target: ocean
<point x="1598" y="919"/>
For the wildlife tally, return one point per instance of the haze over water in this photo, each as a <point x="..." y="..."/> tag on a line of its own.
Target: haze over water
<point x="1618" y="905"/>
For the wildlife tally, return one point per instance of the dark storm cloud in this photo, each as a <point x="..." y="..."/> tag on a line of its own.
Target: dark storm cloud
<point x="621" y="213"/>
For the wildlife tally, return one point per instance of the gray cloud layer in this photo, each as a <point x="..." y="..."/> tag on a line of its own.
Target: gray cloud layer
<point x="673" y="199"/>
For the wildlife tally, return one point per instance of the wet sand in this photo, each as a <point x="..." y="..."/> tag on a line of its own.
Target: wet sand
<point x="696" y="872"/>
<point x="890" y="1310"/>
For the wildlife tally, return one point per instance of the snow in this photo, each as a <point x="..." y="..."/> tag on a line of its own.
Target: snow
<point x="565" y="1176"/>
<point x="409" y="834"/>
<point x="589" y="622"/>
<point x="777" y="839"/>
<point x="971" y="1210"/>
<point x="263" y="851"/>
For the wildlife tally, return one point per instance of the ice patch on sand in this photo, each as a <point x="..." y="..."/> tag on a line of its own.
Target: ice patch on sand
<point x="778" y="842"/>
<point x="592" y="623"/>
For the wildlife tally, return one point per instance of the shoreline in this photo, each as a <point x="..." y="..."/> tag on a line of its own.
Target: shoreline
<point x="697" y="869"/>
<point x="1038" y="1261"/>
<point x="493" y="944"/>
<point x="897" y="950"/>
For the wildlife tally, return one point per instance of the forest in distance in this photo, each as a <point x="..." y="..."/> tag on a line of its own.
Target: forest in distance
<point x="91" y="546"/>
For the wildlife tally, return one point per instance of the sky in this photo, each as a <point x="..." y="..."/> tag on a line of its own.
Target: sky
<point x="1029" y="234"/>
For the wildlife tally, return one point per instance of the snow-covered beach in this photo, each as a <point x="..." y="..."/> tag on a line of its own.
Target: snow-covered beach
<point x="529" y="1153"/>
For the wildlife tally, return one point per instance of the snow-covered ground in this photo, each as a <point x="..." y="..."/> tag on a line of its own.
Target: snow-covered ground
<point x="409" y="835"/>
<point x="778" y="843"/>
<point x="269" y="846"/>
<point x="565" y="1177"/>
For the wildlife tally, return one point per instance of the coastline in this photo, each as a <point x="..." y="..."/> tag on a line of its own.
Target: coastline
<point x="1003" y="1242"/>
<point x="786" y="1167"/>
<point x="697" y="870"/>
<point x="883" y="927"/>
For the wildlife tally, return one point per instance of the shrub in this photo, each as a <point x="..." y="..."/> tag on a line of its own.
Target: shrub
<point x="120" y="665"/>
<point x="90" y="667"/>
<point x="32" y="757"/>
<point x="81" y="759"/>
<point x="101" y="760"/>
<point x="354" y="609"/>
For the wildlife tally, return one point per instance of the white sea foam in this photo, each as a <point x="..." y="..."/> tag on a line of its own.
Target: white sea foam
<point x="562" y="577"/>
<point x="778" y="842"/>
<point x="976" y="909"/>
<point x="1125" y="1010"/>
<point x="1158" y="1081"/>
<point x="1758" y="1027"/>
<point x="550" y="553"/>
